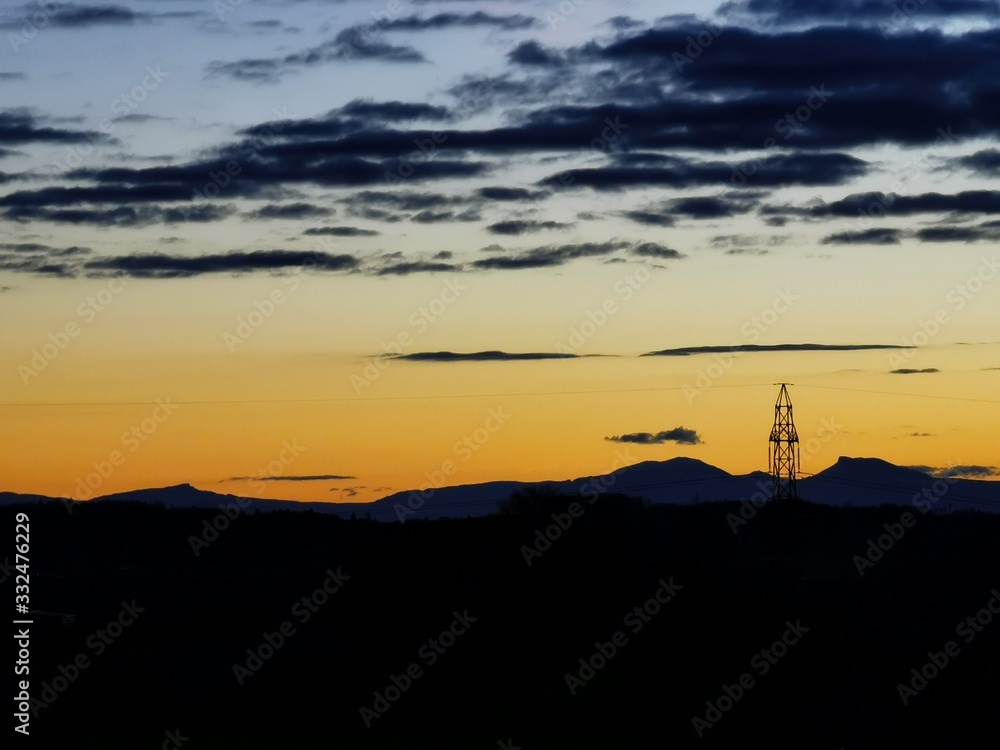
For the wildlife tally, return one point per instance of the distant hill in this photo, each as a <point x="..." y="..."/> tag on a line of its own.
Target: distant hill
<point x="851" y="482"/>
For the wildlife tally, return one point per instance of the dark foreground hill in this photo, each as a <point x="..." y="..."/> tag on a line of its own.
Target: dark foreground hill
<point x="768" y="637"/>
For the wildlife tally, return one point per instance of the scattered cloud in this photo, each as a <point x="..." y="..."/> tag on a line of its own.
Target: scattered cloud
<point x="340" y="232"/>
<point x="877" y="236"/>
<point x="516" y="227"/>
<point x="487" y="356"/>
<point x="292" y="478"/>
<point x="959" y="472"/>
<point x="289" y="211"/>
<point x="680" y="435"/>
<point x="688" y="350"/>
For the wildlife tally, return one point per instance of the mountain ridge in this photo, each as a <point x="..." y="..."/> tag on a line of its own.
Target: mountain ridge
<point x="849" y="482"/>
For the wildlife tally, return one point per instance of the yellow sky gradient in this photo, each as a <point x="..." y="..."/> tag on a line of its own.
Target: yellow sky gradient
<point x="404" y="427"/>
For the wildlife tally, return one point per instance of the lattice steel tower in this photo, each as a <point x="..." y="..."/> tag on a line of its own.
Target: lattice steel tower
<point x="783" y="450"/>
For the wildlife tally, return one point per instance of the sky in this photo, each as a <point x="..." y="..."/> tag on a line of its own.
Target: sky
<point x="332" y="249"/>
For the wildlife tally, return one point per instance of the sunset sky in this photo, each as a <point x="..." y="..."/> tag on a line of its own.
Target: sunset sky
<point x="254" y="245"/>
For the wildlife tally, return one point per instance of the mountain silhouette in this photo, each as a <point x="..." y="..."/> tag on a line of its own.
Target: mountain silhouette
<point x="850" y="482"/>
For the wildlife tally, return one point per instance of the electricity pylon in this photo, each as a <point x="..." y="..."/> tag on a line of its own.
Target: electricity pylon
<point x="783" y="449"/>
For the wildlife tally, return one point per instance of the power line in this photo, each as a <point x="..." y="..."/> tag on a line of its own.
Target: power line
<point x="351" y="399"/>
<point x="898" y="393"/>
<point x="376" y="398"/>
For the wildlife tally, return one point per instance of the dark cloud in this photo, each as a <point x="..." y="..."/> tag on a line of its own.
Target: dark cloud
<point x="403" y="200"/>
<point x="435" y="217"/>
<point x="972" y="471"/>
<point x="74" y="16"/>
<point x="748" y="242"/>
<point x="983" y="232"/>
<point x="675" y="172"/>
<point x="488" y="356"/>
<point x="21" y="126"/>
<point x="353" y="43"/>
<point x="374" y="214"/>
<point x="142" y="119"/>
<point x="680" y="435"/>
<point x="688" y="350"/>
<point x="516" y="227"/>
<point x="878" y="236"/>
<point x="533" y="53"/>
<point x="71" y="15"/>
<point x="293" y="478"/>
<point x="986" y="163"/>
<point x="122" y="216"/>
<point x="551" y="255"/>
<point x="655" y="250"/>
<point x="259" y="70"/>
<point x="263" y="171"/>
<point x="911" y="371"/>
<point x="340" y="232"/>
<point x="369" y="110"/>
<point x="650" y="217"/>
<point x="704" y="207"/>
<point x="12" y="76"/>
<point x="745" y="92"/>
<point x="621" y="23"/>
<point x="836" y="11"/>
<point x="39" y="259"/>
<point x="461" y="20"/>
<point x="162" y="266"/>
<point x="878" y="204"/>
<point x="505" y="194"/>
<point x="406" y="268"/>
<point x="291" y="211"/>
<point x="62" y="196"/>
